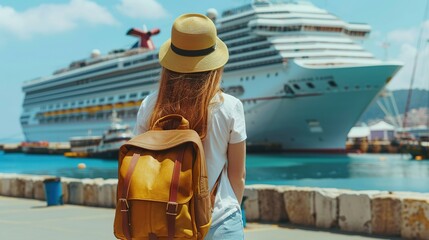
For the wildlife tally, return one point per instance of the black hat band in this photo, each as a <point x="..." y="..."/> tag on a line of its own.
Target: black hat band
<point x="193" y="53"/>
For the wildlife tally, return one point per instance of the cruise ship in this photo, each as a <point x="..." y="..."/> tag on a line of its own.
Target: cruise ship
<point x="301" y="73"/>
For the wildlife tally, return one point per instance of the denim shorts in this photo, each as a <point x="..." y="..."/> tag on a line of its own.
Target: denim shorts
<point x="230" y="228"/>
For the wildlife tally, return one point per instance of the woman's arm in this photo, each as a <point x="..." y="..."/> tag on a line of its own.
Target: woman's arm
<point x="237" y="168"/>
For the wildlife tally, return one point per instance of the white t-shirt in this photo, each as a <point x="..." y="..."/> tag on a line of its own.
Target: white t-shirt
<point x="225" y="125"/>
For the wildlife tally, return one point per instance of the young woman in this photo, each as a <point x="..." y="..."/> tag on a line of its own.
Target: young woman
<point x="192" y="62"/>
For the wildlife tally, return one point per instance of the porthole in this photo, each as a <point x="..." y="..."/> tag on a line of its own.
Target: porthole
<point x="296" y="86"/>
<point x="332" y="84"/>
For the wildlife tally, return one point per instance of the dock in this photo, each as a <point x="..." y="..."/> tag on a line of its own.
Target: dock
<point x="31" y="219"/>
<point x="12" y="148"/>
<point x="37" y="147"/>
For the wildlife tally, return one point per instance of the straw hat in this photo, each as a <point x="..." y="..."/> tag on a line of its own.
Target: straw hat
<point x="193" y="46"/>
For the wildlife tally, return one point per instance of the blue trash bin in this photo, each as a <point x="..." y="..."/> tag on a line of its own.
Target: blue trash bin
<point x="53" y="191"/>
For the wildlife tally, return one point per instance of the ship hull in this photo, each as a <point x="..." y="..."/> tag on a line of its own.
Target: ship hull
<point x="317" y="120"/>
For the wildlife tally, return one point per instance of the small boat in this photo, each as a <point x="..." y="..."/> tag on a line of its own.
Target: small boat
<point x="83" y="146"/>
<point x="113" y="138"/>
<point x="419" y="149"/>
<point x="105" y="146"/>
<point x="75" y="154"/>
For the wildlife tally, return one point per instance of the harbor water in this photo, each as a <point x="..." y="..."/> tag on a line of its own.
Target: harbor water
<point x="390" y="172"/>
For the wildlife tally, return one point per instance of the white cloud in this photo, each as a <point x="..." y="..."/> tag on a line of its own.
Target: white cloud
<point x="402" y="80"/>
<point x="142" y="9"/>
<point x="405" y="40"/>
<point x="403" y="35"/>
<point x="53" y="18"/>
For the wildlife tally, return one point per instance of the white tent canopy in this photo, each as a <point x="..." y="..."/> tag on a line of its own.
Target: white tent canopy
<point x="382" y="126"/>
<point x="359" y="132"/>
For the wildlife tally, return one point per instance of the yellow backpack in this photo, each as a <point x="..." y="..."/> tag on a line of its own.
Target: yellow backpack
<point x="163" y="185"/>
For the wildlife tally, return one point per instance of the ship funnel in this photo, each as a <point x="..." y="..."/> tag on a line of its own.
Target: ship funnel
<point x="145" y="41"/>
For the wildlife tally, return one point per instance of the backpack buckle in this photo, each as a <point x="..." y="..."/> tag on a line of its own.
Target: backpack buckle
<point x="172" y="208"/>
<point x="124" y="203"/>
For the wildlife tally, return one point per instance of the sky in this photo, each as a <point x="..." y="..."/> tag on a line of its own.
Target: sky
<point x="38" y="37"/>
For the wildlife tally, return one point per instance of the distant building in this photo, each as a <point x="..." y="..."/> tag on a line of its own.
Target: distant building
<point x="382" y="131"/>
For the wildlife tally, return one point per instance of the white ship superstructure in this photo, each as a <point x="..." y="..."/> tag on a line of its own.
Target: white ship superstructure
<point x="302" y="77"/>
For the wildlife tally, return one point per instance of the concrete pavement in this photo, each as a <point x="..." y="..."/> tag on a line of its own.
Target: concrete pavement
<point x="22" y="219"/>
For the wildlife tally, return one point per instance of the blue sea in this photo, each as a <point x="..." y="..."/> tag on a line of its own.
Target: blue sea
<point x="391" y="172"/>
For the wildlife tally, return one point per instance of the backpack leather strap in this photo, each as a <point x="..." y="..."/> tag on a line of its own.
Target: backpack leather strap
<point x="126" y="225"/>
<point x="172" y="205"/>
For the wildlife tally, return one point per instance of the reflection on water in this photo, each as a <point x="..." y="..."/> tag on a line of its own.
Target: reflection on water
<point x="353" y="171"/>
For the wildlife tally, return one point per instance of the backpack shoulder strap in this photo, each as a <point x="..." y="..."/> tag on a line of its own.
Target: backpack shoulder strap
<point x="172" y="204"/>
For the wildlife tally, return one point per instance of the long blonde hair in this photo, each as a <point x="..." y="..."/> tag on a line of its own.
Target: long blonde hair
<point x="187" y="94"/>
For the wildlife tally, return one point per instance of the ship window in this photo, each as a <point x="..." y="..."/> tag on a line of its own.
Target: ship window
<point x="357" y="87"/>
<point x="253" y="77"/>
<point x="122" y="97"/>
<point x="94" y="100"/>
<point x="276" y="74"/>
<point x="247" y="78"/>
<point x="143" y="94"/>
<point x="80" y="102"/>
<point x="310" y="85"/>
<point x="73" y="103"/>
<point x="101" y="99"/>
<point x="296" y="86"/>
<point x="65" y="105"/>
<point x="332" y="84"/>
<point x="87" y="101"/>
<point x="133" y="95"/>
<point x="268" y="75"/>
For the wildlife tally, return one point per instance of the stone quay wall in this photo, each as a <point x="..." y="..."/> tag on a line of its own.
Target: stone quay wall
<point x="404" y="214"/>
